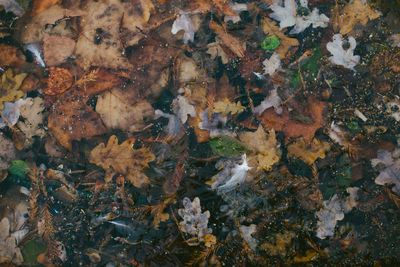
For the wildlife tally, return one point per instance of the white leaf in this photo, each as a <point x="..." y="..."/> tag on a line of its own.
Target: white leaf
<point x="273" y="100"/>
<point x="340" y="56"/>
<point x="231" y="176"/>
<point x="272" y="64"/>
<point x="182" y="108"/>
<point x="184" y="23"/>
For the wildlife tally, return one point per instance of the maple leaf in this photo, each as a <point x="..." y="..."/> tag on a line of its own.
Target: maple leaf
<point x="356" y="12"/>
<point x="270" y="28"/>
<point x="308" y="153"/>
<point x="264" y="146"/>
<point x="122" y="159"/>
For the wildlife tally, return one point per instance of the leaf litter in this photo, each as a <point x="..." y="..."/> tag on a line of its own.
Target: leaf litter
<point x="199" y="133"/>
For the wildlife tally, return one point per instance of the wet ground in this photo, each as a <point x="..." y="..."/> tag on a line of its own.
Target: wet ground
<point x="199" y="133"/>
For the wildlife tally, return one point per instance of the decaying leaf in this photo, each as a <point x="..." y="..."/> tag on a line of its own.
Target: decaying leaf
<point x="35" y="29"/>
<point x="10" y="84"/>
<point x="389" y="166"/>
<point x="235" y="45"/>
<point x="118" y="113"/>
<point x="59" y="81"/>
<point x="215" y="50"/>
<point x="264" y="146"/>
<point x="356" y="12"/>
<point x="308" y="153"/>
<point x="73" y="121"/>
<point x="227" y="107"/>
<point x="122" y="159"/>
<point x="7" y="152"/>
<point x="32" y="114"/>
<point x="57" y="48"/>
<point x="269" y="27"/>
<point x="41" y="5"/>
<point x="294" y="128"/>
<point x="100" y="42"/>
<point x="281" y="244"/>
<point x="10" y="56"/>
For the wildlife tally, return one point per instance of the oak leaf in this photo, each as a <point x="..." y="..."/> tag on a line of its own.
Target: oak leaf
<point x="226" y="107"/>
<point x="122" y="159"/>
<point x="308" y="153"/>
<point x="264" y="146"/>
<point x="10" y="84"/>
<point x="356" y="12"/>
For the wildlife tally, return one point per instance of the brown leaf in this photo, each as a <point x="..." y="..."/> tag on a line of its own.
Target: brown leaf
<point x="269" y="27"/>
<point x="293" y="128"/>
<point x="59" y="81"/>
<point x="73" y="120"/>
<point x="57" y="49"/>
<point x="234" y="44"/>
<point x="10" y="56"/>
<point x="354" y="13"/>
<point x="41" y="5"/>
<point x="122" y="159"/>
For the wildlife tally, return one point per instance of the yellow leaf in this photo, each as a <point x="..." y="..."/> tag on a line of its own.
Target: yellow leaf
<point x="270" y="28"/>
<point x="310" y="256"/>
<point x="122" y="159"/>
<point x="9" y="88"/>
<point x="264" y="147"/>
<point x="227" y="107"/>
<point x="355" y="13"/>
<point x="308" y="153"/>
<point x="210" y="240"/>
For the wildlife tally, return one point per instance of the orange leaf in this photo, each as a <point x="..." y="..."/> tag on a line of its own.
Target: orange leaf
<point x="293" y="128"/>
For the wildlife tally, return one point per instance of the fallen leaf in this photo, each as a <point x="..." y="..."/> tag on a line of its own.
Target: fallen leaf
<point x="264" y="146"/>
<point x="308" y="153"/>
<point x="356" y="12"/>
<point x="117" y="112"/>
<point x="34" y="31"/>
<point x="7" y="152"/>
<point x="10" y="56"/>
<point x="59" y="81"/>
<point x="122" y="159"/>
<point x="270" y="28"/>
<point x="103" y="27"/>
<point x="231" y="42"/>
<point x="31" y="125"/>
<point x="215" y="50"/>
<point x="227" y="107"/>
<point x="57" y="48"/>
<point x="10" y="84"/>
<point x="294" y="128"/>
<point x="39" y="6"/>
<point x="281" y="244"/>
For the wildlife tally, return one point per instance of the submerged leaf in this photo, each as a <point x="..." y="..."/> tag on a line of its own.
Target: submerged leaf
<point x="122" y="159"/>
<point x="308" y="153"/>
<point x="264" y="147"/>
<point x="227" y="146"/>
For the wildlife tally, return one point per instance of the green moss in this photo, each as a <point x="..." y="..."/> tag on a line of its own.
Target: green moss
<point x="18" y="168"/>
